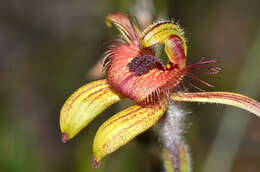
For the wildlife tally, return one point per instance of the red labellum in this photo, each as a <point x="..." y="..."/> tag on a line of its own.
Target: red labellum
<point x="142" y="84"/>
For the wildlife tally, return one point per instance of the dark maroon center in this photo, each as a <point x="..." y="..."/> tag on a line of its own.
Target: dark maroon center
<point x="142" y="64"/>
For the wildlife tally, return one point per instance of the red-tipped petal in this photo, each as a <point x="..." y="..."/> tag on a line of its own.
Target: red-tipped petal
<point x="95" y="163"/>
<point x="84" y="105"/>
<point x="65" y="137"/>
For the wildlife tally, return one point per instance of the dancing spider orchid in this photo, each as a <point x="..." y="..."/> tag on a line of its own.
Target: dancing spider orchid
<point x="133" y="71"/>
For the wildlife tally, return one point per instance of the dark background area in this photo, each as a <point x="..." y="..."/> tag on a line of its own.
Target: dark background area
<point x="50" y="48"/>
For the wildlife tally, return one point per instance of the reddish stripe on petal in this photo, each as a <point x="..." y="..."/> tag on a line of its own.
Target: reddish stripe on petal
<point x="175" y="51"/>
<point x="103" y="92"/>
<point x="84" y="105"/>
<point x="124" y="126"/>
<point x="152" y="28"/>
<point x="227" y="98"/>
<point x="120" y="117"/>
<point x="90" y="96"/>
<point x="88" y="89"/>
<point x="74" y="97"/>
<point x="234" y="97"/>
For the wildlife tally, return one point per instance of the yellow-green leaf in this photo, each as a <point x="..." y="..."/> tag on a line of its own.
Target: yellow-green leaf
<point x="84" y="105"/>
<point x="227" y="98"/>
<point x="124" y="126"/>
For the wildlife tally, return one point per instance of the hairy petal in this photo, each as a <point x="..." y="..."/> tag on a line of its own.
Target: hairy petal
<point x="172" y="36"/>
<point x="157" y="33"/>
<point x="124" y="25"/>
<point x="124" y="126"/>
<point x="84" y="105"/>
<point x="227" y="98"/>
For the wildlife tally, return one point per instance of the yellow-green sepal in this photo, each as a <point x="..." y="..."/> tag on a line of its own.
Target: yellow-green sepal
<point x="228" y="98"/>
<point x="84" y="105"/>
<point x="124" y="126"/>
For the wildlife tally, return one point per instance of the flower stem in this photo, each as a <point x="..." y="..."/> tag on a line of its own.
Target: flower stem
<point x="176" y="156"/>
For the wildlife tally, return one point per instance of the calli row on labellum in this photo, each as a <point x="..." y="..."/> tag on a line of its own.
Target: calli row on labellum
<point x="133" y="71"/>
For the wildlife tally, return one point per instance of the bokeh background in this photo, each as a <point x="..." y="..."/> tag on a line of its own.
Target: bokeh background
<point x="50" y="48"/>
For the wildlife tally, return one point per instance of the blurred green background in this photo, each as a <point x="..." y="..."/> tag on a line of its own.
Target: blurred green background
<point x="50" y="48"/>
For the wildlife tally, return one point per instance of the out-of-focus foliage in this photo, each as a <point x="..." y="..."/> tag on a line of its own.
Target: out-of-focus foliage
<point x="48" y="47"/>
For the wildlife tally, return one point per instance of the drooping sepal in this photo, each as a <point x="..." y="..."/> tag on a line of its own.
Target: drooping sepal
<point x="124" y="126"/>
<point x="84" y="105"/>
<point x="227" y="98"/>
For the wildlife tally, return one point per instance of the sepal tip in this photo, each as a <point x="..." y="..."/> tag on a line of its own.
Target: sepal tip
<point x="65" y="137"/>
<point x="95" y="163"/>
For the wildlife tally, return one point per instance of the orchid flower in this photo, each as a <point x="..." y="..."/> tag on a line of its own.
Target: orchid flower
<point x="133" y="71"/>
